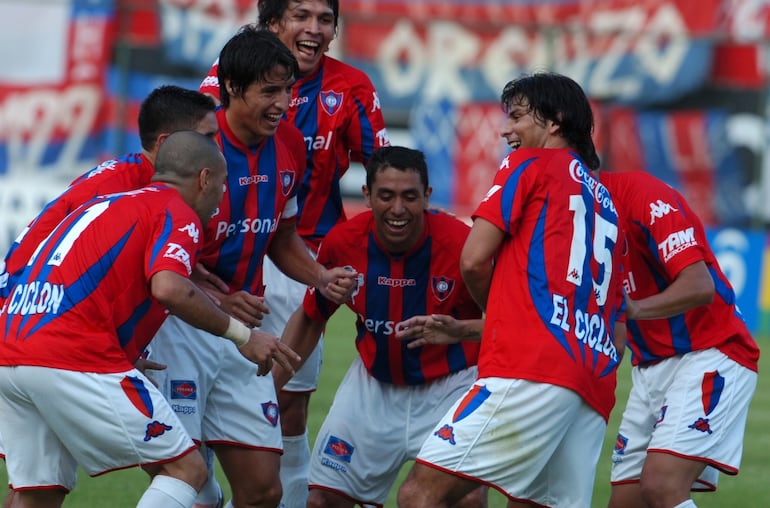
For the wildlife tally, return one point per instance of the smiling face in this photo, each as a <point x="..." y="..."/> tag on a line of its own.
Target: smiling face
<point x="398" y="199"/>
<point x="256" y="113"/>
<point x="306" y="28"/>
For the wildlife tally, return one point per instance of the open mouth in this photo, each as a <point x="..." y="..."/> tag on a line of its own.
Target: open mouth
<point x="514" y="144"/>
<point x="308" y="48"/>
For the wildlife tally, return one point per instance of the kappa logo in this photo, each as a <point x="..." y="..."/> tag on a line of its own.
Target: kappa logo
<point x="701" y="424"/>
<point x="659" y="209"/>
<point x="192" y="230"/>
<point x="447" y="433"/>
<point x="155" y="429"/>
<point x="270" y="410"/>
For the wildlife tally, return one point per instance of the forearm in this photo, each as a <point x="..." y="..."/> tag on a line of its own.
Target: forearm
<point x="291" y="256"/>
<point x="302" y="335"/>
<point x="188" y="302"/>
<point x="692" y="288"/>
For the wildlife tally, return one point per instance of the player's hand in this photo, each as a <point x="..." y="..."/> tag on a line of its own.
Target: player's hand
<point x="204" y="279"/>
<point x="338" y="284"/>
<point x="632" y="308"/>
<point x="264" y="348"/>
<point x="433" y="329"/>
<point x="144" y="365"/>
<point x="245" y="307"/>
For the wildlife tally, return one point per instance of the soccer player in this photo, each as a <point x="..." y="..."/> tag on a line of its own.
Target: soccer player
<point x="69" y="395"/>
<point x="386" y="405"/>
<point x="337" y="109"/>
<point x="533" y="423"/>
<point x="165" y="110"/>
<point x="212" y="389"/>
<point x="694" y="361"/>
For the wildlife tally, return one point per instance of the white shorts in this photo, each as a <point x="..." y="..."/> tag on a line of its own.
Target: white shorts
<point x="55" y="419"/>
<point x="214" y="390"/>
<point x="284" y="295"/>
<point x="534" y="442"/>
<point x="677" y="406"/>
<point x="373" y="428"/>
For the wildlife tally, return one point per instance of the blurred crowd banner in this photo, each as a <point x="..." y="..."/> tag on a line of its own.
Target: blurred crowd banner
<point x="679" y="89"/>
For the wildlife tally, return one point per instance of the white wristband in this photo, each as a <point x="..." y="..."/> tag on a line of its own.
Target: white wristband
<point x="237" y="332"/>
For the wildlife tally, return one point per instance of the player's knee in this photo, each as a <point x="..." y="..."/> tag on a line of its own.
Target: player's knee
<point x="407" y="495"/>
<point x="190" y="468"/>
<point x="658" y="490"/>
<point x="267" y="495"/>
<point x="317" y="498"/>
<point x="293" y="407"/>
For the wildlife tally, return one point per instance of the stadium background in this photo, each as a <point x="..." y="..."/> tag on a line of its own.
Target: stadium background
<point x="680" y="89"/>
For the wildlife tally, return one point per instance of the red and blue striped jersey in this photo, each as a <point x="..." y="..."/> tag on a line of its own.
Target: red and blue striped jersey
<point x="392" y="288"/>
<point x="127" y="172"/>
<point x="338" y="112"/>
<point x="555" y="293"/>
<point x="260" y="192"/>
<point x="92" y="273"/>
<point x="665" y="236"/>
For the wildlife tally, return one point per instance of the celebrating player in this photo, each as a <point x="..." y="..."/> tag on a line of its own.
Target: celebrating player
<point x="533" y="423"/>
<point x="694" y="361"/>
<point x="68" y="392"/>
<point x="212" y="389"/>
<point x="336" y="108"/>
<point x="386" y="405"/>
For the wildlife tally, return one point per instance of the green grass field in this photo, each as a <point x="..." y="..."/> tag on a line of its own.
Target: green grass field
<point x="750" y="489"/>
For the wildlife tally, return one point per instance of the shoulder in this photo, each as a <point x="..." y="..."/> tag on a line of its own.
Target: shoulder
<point x="352" y="233"/>
<point x="345" y="75"/>
<point x="446" y="228"/>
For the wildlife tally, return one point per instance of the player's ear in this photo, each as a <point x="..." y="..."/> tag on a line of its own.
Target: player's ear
<point x="204" y="178"/>
<point x="367" y="196"/>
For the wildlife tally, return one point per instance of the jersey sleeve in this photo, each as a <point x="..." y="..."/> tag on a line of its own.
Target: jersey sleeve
<point x="175" y="243"/>
<point x="210" y="84"/>
<point x="504" y="201"/>
<point x="673" y="228"/>
<point x="366" y="129"/>
<point x="315" y="305"/>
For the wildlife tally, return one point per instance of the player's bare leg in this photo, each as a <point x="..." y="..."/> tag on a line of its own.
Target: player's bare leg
<point x="252" y="475"/>
<point x="8" y="499"/>
<point x="427" y="487"/>
<point x="628" y="495"/>
<point x="667" y="479"/>
<point x="43" y="498"/>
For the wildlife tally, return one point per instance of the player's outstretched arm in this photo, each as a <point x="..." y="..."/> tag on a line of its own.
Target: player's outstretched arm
<point x="692" y="287"/>
<point x="188" y="302"/>
<point x="438" y="329"/>
<point x="301" y="334"/>
<point x="290" y="255"/>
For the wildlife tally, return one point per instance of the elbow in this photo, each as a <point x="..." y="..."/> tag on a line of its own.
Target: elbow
<point x="470" y="268"/>
<point x="165" y="289"/>
<point x="706" y="292"/>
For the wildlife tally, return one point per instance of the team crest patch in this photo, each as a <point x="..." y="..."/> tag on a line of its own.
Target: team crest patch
<point x="270" y="410"/>
<point x="331" y="101"/>
<point x="701" y="424"/>
<point x="183" y="389"/>
<point x="138" y="394"/>
<point x="442" y="287"/>
<point x="472" y="401"/>
<point x="287" y="181"/>
<point x="447" y="433"/>
<point x="155" y="429"/>
<point x="339" y="449"/>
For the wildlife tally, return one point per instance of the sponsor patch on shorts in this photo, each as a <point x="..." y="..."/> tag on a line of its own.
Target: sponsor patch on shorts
<point x="183" y="389"/>
<point x="339" y="449"/>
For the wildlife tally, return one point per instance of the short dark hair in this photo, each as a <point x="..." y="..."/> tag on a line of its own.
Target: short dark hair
<point x="398" y="157"/>
<point x="183" y="154"/>
<point x="271" y="11"/>
<point x="248" y="57"/>
<point x="170" y="108"/>
<point x="554" y="97"/>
